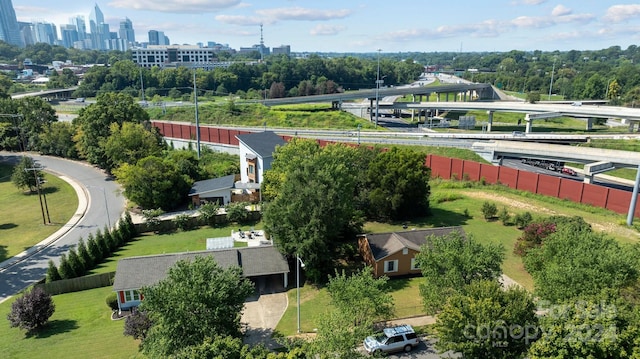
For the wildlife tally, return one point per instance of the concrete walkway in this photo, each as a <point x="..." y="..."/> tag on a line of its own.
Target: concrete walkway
<point x="261" y="315"/>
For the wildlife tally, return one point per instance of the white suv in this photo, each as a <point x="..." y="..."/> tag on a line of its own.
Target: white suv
<point x="393" y="339"/>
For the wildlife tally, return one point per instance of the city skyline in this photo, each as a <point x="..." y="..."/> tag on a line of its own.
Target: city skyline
<point x="336" y="26"/>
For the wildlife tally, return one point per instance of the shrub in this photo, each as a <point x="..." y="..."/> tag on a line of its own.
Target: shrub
<point x="504" y="216"/>
<point x="84" y="255"/>
<point x="52" y="272"/>
<point x="208" y="212"/>
<point x="183" y="222"/>
<point x="489" y="210"/>
<point x="112" y="301"/>
<point x="31" y="311"/>
<point x="65" y="270"/>
<point x="521" y="220"/>
<point x="94" y="250"/>
<point x="532" y="236"/>
<point x="237" y="212"/>
<point x="137" y="325"/>
<point x="466" y="213"/>
<point x="76" y="265"/>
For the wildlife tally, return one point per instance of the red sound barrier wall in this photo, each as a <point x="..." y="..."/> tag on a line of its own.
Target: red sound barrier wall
<point x="599" y="196"/>
<point x="452" y="168"/>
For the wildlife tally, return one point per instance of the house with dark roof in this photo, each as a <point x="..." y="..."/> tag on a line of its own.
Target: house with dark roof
<point x="215" y="190"/>
<point x="393" y="254"/>
<point x="262" y="263"/>
<point x="256" y="154"/>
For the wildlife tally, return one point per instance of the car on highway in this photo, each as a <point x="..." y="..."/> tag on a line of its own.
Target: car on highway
<point x="392" y="339"/>
<point x="568" y="171"/>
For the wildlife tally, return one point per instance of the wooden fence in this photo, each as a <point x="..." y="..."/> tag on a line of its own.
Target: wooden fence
<point x="78" y="284"/>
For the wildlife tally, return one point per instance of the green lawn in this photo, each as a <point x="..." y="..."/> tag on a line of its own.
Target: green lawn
<point x="81" y="327"/>
<point x="149" y="243"/>
<point x="21" y="224"/>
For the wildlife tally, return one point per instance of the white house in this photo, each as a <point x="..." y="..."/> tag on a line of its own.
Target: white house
<point x="256" y="154"/>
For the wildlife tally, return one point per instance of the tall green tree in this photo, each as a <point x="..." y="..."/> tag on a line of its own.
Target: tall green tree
<point x="131" y="142"/>
<point x="57" y="140"/>
<point x="94" y="124"/>
<point x="398" y="181"/>
<point x="314" y="213"/>
<point x="197" y="299"/>
<point x="575" y="264"/>
<point x="485" y="320"/>
<point x="154" y="182"/>
<point x="25" y="174"/>
<point x="452" y="262"/>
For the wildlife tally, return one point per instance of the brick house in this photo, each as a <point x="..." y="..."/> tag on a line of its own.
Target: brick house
<point x="393" y="254"/>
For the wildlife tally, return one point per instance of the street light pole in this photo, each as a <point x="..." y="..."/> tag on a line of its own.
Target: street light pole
<point x="359" y="126"/>
<point x="378" y="90"/>
<point x="106" y="206"/>
<point x="553" y="69"/>
<point x="299" y="264"/>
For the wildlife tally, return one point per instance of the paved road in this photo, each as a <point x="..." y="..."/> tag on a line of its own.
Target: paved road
<point x="93" y="214"/>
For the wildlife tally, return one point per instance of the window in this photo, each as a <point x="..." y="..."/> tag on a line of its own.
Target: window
<point x="251" y="169"/>
<point x="390" y="266"/>
<point x="131" y="295"/>
<point x="405" y="251"/>
<point x="414" y="264"/>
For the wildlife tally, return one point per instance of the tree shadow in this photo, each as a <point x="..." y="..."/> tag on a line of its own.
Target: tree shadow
<point x="3" y="253"/>
<point x="55" y="327"/>
<point x="443" y="218"/>
<point x="7" y="226"/>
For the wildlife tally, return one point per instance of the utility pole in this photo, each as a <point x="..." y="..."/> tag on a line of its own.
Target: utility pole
<point x="553" y="69"/>
<point x="42" y="205"/>
<point x="195" y="99"/>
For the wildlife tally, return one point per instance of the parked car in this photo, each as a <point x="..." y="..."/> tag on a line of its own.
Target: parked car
<point x="392" y="339"/>
<point x="568" y="171"/>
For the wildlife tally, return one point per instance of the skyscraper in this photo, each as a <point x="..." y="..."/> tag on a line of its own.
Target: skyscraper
<point x="9" y="29"/>
<point x="126" y="31"/>
<point x="99" y="30"/>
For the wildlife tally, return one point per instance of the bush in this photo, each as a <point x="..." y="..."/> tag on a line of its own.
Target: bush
<point x="208" y="212"/>
<point x="237" y="212"/>
<point x="31" y="311"/>
<point x="504" y="216"/>
<point x="182" y="222"/>
<point x="522" y="220"/>
<point x="137" y="325"/>
<point x="52" y="272"/>
<point x="489" y="210"/>
<point x="112" y="301"/>
<point x="65" y="270"/>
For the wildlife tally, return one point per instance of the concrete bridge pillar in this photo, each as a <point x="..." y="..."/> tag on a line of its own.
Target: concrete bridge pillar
<point x="529" y="123"/>
<point x="413" y="114"/>
<point x="631" y="124"/>
<point x="371" y="110"/>
<point x="588" y="178"/>
<point x="589" y="124"/>
<point x="489" y="120"/>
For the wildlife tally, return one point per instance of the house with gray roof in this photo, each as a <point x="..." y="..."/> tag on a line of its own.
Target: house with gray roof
<point x="393" y="254"/>
<point x="134" y="273"/>
<point x="256" y="154"/>
<point x="215" y="190"/>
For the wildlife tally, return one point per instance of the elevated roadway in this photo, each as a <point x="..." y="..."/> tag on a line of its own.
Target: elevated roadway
<point x="50" y="94"/>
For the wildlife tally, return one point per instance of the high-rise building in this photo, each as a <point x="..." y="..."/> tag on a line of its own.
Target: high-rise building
<point x="9" y="29"/>
<point x="80" y="25"/>
<point x="45" y="32"/>
<point x="126" y="32"/>
<point x="69" y="34"/>
<point x="99" y="30"/>
<point x="157" y="38"/>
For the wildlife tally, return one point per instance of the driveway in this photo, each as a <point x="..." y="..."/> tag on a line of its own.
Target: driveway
<point x="261" y="315"/>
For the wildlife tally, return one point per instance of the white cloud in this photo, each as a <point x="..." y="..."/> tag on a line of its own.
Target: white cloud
<point x="299" y="13"/>
<point x="242" y="20"/>
<point x="176" y="6"/>
<point x="324" y="30"/>
<point x="620" y="13"/>
<point x="560" y="10"/>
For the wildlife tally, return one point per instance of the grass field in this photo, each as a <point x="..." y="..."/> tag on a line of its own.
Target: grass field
<point x="21" y="224"/>
<point x="81" y="328"/>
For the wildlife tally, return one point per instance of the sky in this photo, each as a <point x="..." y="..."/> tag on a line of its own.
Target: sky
<point x="367" y="26"/>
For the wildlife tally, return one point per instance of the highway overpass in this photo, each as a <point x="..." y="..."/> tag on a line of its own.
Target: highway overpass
<point x="48" y="94"/>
